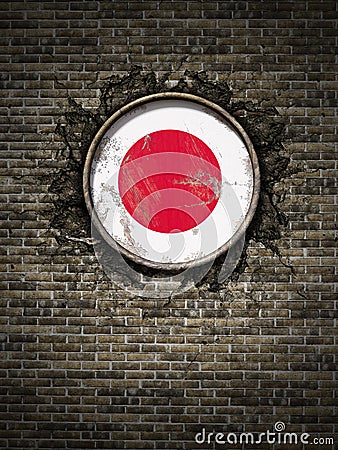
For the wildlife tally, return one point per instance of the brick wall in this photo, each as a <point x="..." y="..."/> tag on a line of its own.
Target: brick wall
<point x="84" y="365"/>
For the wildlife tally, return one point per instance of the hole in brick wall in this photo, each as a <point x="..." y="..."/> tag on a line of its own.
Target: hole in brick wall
<point x="70" y="221"/>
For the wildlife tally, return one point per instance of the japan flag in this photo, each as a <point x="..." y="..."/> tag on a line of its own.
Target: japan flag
<point x="170" y="180"/>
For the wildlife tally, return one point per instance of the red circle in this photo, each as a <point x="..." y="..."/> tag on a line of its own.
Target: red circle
<point x="169" y="181"/>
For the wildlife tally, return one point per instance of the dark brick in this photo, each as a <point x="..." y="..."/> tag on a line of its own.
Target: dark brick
<point x="84" y="364"/>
